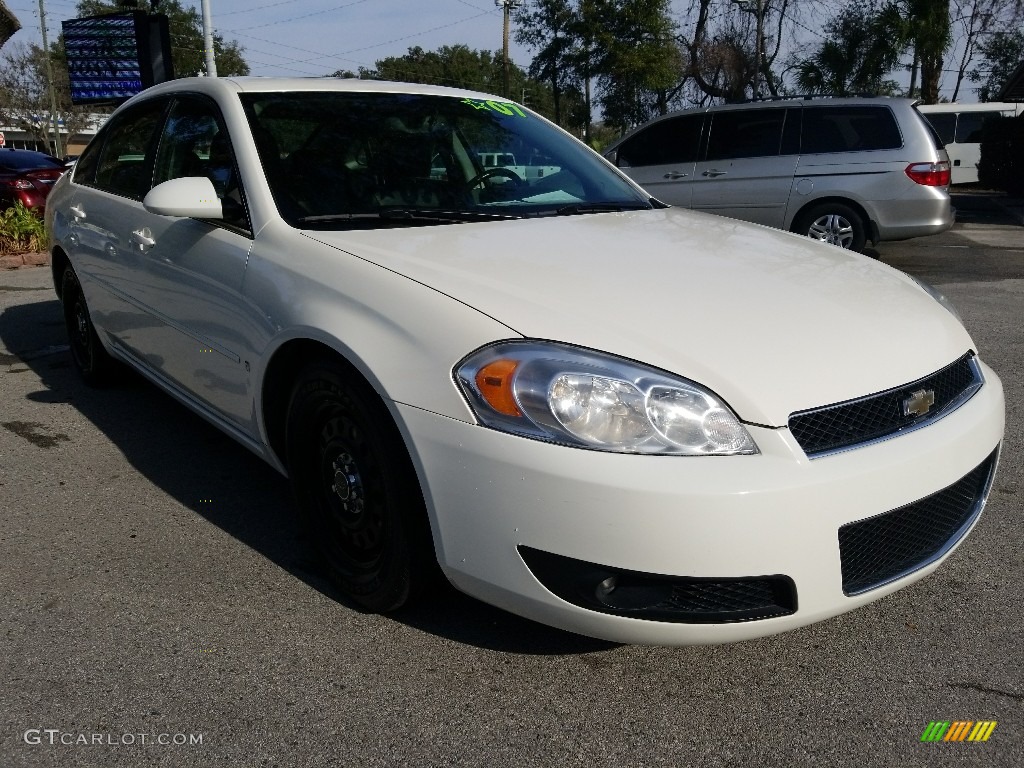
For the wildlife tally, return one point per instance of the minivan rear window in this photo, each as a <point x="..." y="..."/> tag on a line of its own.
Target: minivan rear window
<point x="849" y="129"/>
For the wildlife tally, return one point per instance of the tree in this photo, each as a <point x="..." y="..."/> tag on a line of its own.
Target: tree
<point x="1001" y="53"/>
<point x="458" y="66"/>
<point x="550" y="27"/>
<point x="25" y="95"/>
<point x="187" y="46"/>
<point x="626" y="47"/>
<point x="928" y="31"/>
<point x="638" y="64"/>
<point x="861" y="51"/>
<point x="723" y="54"/>
<point x="973" y="18"/>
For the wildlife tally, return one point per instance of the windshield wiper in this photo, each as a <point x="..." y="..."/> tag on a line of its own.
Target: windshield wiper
<point x="577" y="208"/>
<point x="398" y="215"/>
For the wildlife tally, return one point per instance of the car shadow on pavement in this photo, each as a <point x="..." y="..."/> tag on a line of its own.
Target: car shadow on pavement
<point x="218" y="479"/>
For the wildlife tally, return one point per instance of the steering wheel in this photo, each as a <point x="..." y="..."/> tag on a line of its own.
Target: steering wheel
<point x="492" y="172"/>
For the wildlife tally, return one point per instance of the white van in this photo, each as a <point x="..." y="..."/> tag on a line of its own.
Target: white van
<point x="959" y="126"/>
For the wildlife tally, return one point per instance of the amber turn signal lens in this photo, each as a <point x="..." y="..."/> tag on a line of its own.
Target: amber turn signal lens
<point x="494" y="382"/>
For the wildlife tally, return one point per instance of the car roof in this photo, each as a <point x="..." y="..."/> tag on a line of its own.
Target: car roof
<point x="223" y="85"/>
<point x="26" y="159"/>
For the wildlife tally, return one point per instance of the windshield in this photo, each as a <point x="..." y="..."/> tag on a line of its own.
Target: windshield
<point x="366" y="160"/>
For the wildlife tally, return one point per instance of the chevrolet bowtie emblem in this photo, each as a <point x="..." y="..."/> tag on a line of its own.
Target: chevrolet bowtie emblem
<point x="919" y="403"/>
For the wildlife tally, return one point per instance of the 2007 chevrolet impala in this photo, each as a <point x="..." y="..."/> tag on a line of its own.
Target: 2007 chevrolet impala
<point x="594" y="410"/>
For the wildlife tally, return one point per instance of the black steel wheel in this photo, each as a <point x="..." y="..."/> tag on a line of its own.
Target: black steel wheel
<point x="356" y="489"/>
<point x="96" y="367"/>
<point x="834" y="223"/>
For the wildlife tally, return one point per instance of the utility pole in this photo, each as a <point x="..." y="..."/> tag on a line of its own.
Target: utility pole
<point x="211" y="64"/>
<point x="507" y="6"/>
<point x="54" y="120"/>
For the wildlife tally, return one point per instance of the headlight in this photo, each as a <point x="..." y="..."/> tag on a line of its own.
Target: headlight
<point x="588" y="399"/>
<point x="940" y="297"/>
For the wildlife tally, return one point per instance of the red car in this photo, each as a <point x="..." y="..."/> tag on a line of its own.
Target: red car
<point x="27" y="176"/>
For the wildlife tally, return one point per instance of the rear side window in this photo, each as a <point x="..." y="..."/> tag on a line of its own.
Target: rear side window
<point x="849" y="129"/>
<point x="753" y="133"/>
<point x="674" y="140"/>
<point x="970" y="125"/>
<point x="944" y="124"/>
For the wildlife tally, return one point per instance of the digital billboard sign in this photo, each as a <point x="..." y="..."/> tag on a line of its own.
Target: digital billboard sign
<point x="115" y="56"/>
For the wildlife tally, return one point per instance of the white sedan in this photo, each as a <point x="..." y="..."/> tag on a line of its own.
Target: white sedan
<point x="615" y="417"/>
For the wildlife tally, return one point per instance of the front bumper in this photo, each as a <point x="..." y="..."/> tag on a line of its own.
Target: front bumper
<point x="774" y="514"/>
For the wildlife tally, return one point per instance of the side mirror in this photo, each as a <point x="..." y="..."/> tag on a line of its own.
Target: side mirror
<point x="190" y="196"/>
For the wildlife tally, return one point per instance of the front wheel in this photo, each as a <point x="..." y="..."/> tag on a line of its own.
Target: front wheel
<point x="833" y="223"/>
<point x="356" y="489"/>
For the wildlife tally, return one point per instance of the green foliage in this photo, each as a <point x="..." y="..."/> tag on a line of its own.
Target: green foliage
<point x="21" y="230"/>
<point x="864" y="45"/>
<point x="25" y="93"/>
<point x="186" y="26"/>
<point x="627" y="46"/>
<point x="458" y="66"/>
<point x="1001" y="53"/>
<point x="1002" y="155"/>
<point x="639" y="61"/>
<point x="551" y="28"/>
<point x="926" y="28"/>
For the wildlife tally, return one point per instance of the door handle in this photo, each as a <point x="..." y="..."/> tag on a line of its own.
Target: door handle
<point x="78" y="211"/>
<point x="714" y="173"/>
<point x="143" y="238"/>
<point x="675" y="175"/>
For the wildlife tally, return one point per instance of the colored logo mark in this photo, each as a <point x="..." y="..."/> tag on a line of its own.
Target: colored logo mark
<point x="959" y="730"/>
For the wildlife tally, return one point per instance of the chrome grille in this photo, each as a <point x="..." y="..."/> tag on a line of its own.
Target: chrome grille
<point x="837" y="427"/>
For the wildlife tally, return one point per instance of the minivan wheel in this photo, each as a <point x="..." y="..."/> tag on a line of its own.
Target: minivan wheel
<point x="833" y="223"/>
<point x="96" y="367"/>
<point x="356" y="489"/>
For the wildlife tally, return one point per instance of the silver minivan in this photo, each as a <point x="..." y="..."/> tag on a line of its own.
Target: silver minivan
<point x="841" y="170"/>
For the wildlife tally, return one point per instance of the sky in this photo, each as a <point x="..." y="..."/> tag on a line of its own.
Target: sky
<point x="303" y="38"/>
<point x="318" y="37"/>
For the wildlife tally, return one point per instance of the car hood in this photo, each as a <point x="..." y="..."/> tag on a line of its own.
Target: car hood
<point x="771" y="322"/>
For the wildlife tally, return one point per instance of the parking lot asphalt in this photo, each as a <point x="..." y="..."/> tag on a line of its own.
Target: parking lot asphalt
<point x="156" y="590"/>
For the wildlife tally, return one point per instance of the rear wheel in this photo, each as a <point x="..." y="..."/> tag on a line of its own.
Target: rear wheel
<point x="834" y="223"/>
<point x="96" y="367"/>
<point x="356" y="489"/>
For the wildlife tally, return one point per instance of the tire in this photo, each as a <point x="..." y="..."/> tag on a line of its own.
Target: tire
<point x="96" y="367"/>
<point x="834" y="223"/>
<point x="356" y="489"/>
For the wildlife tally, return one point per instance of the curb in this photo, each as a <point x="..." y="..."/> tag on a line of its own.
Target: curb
<point x="1012" y="207"/>
<point x="19" y="260"/>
